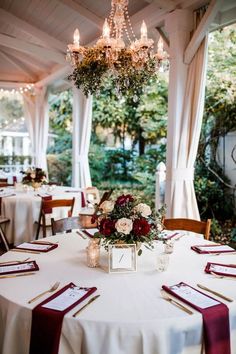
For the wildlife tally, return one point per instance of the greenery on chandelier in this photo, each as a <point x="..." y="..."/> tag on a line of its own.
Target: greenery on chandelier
<point x="92" y="72"/>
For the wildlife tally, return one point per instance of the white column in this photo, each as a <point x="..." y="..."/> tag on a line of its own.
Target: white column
<point x="82" y="122"/>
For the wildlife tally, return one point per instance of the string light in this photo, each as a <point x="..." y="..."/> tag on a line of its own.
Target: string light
<point x="27" y="88"/>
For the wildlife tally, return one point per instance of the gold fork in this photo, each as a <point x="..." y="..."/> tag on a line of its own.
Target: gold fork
<point x="174" y="302"/>
<point x="51" y="290"/>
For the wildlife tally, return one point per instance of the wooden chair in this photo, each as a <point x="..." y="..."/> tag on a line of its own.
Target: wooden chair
<point x="200" y="227"/>
<point x="3" y="180"/>
<point x="47" y="207"/>
<point x="4" y="244"/>
<point x="65" y="225"/>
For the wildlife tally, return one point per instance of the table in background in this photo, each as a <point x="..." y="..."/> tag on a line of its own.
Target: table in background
<point x="130" y="317"/>
<point x="23" y="210"/>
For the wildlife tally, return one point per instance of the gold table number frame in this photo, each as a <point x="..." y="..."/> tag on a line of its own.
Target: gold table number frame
<point x="122" y="258"/>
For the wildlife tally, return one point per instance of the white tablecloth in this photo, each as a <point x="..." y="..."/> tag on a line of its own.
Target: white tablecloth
<point x="129" y="317"/>
<point x="24" y="207"/>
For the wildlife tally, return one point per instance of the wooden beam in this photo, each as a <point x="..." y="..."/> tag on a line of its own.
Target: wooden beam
<point x="25" y="47"/>
<point x="24" y="26"/>
<point x="165" y="4"/>
<point x="201" y="30"/>
<point x="18" y="65"/>
<point x="164" y="38"/>
<point x="12" y="85"/>
<point x="57" y="74"/>
<point x="83" y="11"/>
<point x="225" y="18"/>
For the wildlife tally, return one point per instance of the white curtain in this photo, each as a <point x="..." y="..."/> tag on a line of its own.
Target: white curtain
<point x="37" y="120"/>
<point x="82" y="123"/>
<point x="180" y="194"/>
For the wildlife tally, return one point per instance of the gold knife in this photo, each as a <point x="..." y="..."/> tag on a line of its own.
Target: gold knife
<point x="174" y="302"/>
<point x="24" y="251"/>
<point x="15" y="275"/>
<point x="215" y="293"/>
<point x="88" y="303"/>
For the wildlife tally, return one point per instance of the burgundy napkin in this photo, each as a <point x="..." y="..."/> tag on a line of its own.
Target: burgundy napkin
<point x="7" y="271"/>
<point x="48" y="210"/>
<point x="47" y="323"/>
<point x="215" y="324"/>
<point x="196" y="249"/>
<point x="208" y="270"/>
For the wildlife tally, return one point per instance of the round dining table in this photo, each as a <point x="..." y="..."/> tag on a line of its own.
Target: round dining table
<point x="22" y="208"/>
<point x="130" y="316"/>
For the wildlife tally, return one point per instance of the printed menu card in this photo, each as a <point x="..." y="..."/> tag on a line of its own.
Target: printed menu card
<point x="221" y="269"/>
<point x="18" y="267"/>
<point x="37" y="246"/>
<point x="203" y="249"/>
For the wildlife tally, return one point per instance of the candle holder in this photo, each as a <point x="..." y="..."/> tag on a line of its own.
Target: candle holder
<point x="169" y="247"/>
<point x="93" y="253"/>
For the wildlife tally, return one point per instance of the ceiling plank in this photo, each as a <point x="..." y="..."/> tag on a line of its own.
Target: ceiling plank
<point x="35" y="64"/>
<point x="201" y="30"/>
<point x="18" y="65"/>
<point x="166" y="4"/>
<point x="83" y="11"/>
<point x="24" y="26"/>
<point x="25" y="47"/>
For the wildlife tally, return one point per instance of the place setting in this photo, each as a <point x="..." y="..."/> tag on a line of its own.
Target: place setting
<point x="35" y="247"/>
<point x="18" y="268"/>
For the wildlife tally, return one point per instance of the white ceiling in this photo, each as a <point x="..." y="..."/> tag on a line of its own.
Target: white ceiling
<point x="34" y="33"/>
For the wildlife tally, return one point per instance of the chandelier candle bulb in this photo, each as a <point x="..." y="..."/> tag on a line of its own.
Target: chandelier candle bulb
<point x="143" y="31"/>
<point x="106" y="30"/>
<point x="76" y="36"/>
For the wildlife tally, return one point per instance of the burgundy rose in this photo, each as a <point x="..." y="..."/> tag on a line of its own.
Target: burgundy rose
<point x="106" y="227"/>
<point x="124" y="199"/>
<point x="141" y="227"/>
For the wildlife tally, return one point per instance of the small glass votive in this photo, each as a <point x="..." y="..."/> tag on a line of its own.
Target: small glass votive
<point x="169" y="246"/>
<point x="162" y="262"/>
<point x="93" y="254"/>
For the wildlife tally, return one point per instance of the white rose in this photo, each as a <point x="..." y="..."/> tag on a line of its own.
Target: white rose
<point x="143" y="209"/>
<point x="124" y="226"/>
<point x="33" y="175"/>
<point x="107" y="206"/>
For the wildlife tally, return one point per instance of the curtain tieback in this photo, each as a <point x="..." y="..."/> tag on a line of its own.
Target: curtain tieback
<point x="180" y="174"/>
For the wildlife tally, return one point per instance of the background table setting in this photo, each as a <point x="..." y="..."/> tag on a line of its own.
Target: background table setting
<point x="22" y="207"/>
<point x="131" y="315"/>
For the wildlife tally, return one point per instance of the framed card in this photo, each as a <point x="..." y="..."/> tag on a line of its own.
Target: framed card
<point x="122" y="258"/>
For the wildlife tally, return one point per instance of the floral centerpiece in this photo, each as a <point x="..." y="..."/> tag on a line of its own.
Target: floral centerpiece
<point x="126" y="220"/>
<point x="34" y="177"/>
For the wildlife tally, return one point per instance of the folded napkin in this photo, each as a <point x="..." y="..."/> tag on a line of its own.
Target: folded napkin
<point x="47" y="321"/>
<point x="17" y="267"/>
<point x="168" y="235"/>
<point x="204" y="249"/>
<point x="215" y="316"/>
<point x="41" y="246"/>
<point x="221" y="269"/>
<point x="90" y="232"/>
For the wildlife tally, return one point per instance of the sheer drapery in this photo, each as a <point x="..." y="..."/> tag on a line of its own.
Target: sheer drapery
<point x="82" y="123"/>
<point x="180" y="194"/>
<point x="37" y="120"/>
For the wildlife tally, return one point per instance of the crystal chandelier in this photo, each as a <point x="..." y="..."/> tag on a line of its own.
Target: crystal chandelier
<point x="129" y="68"/>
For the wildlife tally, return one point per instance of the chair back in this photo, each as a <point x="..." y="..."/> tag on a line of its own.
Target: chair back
<point x="4" y="244"/>
<point x="65" y="225"/>
<point x="200" y="227"/>
<point x="3" y="180"/>
<point x="49" y="205"/>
